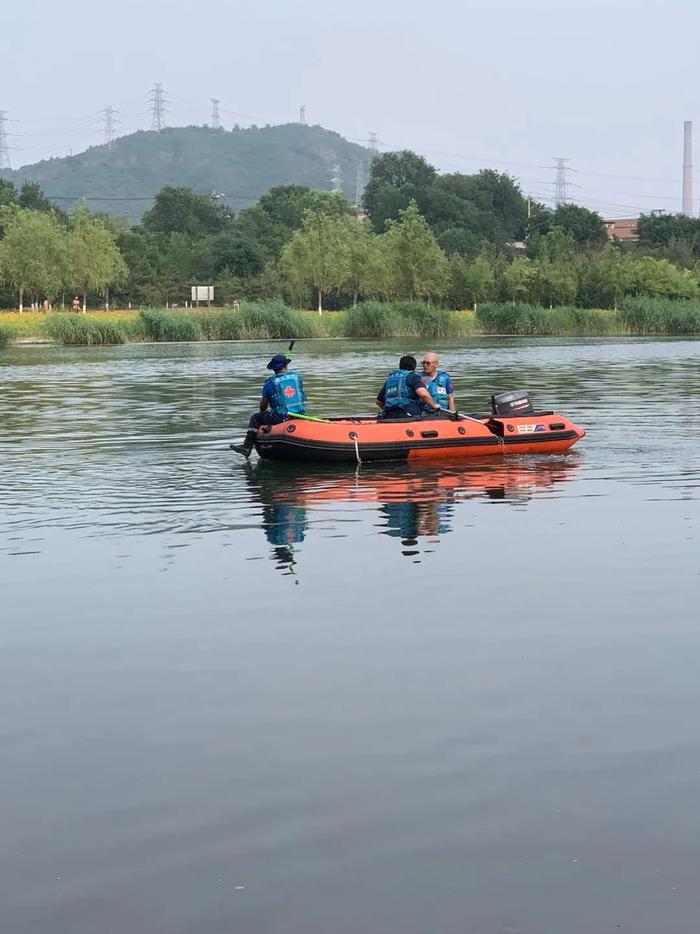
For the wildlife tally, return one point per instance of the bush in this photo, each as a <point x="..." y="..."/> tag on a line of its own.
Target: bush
<point x="371" y="319"/>
<point x="168" y="326"/>
<point x="661" y="316"/>
<point x="420" y="320"/>
<point x="72" y="329"/>
<point x="219" y="325"/>
<point x="506" y="318"/>
<point x="4" y="337"/>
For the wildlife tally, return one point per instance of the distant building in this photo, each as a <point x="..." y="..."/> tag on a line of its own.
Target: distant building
<point x="622" y="228"/>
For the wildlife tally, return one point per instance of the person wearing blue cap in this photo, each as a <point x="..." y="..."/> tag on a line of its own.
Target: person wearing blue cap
<point x="282" y="396"/>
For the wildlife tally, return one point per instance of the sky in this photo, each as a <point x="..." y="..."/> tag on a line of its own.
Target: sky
<point x="506" y="84"/>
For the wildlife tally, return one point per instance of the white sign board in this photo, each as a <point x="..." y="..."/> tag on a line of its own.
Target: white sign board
<point x="202" y="293"/>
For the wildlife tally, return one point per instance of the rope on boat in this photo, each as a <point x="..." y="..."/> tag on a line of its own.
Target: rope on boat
<point x="357" y="450"/>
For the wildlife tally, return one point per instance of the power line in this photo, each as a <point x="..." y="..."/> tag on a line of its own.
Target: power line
<point x="4" y="147"/>
<point x="157" y="99"/>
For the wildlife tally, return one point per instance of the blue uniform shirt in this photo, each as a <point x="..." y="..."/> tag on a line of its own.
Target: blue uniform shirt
<point x="413" y="382"/>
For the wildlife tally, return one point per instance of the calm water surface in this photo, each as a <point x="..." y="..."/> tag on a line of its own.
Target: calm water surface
<point x="261" y="700"/>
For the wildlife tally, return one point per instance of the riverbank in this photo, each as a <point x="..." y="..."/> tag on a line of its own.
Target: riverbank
<point x="274" y="320"/>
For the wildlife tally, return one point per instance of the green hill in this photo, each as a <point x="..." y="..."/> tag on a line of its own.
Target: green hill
<point x="240" y="165"/>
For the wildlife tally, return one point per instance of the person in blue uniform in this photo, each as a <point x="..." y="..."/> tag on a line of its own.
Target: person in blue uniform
<point x="282" y="396"/>
<point x="438" y="383"/>
<point x="403" y="393"/>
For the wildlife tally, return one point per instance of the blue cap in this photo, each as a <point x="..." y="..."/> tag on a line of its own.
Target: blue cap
<point x="278" y="362"/>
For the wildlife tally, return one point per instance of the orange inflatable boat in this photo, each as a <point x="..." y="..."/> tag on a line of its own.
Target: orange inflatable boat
<point x="366" y="438"/>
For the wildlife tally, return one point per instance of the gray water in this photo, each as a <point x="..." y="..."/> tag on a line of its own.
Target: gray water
<point x="254" y="699"/>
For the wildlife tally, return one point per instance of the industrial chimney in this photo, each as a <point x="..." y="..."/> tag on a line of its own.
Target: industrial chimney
<point x="688" y="167"/>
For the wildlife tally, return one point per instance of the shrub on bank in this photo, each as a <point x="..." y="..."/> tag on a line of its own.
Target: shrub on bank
<point x="370" y="319"/>
<point x="77" y="330"/>
<point x="252" y="321"/>
<point x="169" y="326"/>
<point x="420" y="320"/>
<point x="4" y="336"/>
<point x="507" y="318"/>
<point x="275" y="320"/>
<point x="661" y="316"/>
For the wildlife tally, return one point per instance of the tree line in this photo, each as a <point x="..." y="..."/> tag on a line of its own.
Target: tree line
<point x="44" y="253"/>
<point x="454" y="239"/>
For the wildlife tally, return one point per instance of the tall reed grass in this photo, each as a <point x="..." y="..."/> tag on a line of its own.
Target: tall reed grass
<point x="404" y="319"/>
<point x="506" y="318"/>
<point x="72" y="329"/>
<point x="276" y="321"/>
<point x="661" y="316"/>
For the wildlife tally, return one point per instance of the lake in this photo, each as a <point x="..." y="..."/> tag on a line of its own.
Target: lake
<point x="244" y="697"/>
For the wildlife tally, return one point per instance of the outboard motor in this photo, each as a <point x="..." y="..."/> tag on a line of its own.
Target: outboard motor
<point x="513" y="402"/>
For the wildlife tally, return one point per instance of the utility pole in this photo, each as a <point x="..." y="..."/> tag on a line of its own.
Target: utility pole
<point x="687" y="199"/>
<point x="4" y="146"/>
<point x="561" y="182"/>
<point x="110" y="122"/>
<point x="302" y="115"/>
<point x="359" y="183"/>
<point x="215" y="117"/>
<point x="157" y="100"/>
<point x="337" y="179"/>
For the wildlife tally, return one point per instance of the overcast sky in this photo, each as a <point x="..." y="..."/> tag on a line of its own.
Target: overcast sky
<point x="509" y="84"/>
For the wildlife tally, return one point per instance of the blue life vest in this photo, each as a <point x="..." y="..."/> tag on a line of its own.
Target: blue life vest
<point x="396" y="392"/>
<point x="437" y="388"/>
<point x="288" y="395"/>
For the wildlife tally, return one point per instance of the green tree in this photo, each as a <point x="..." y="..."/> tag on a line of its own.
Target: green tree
<point x="272" y="221"/>
<point x="359" y="248"/>
<point x="377" y="272"/>
<point x="395" y="179"/>
<point x="586" y="227"/>
<point x="33" y="198"/>
<point x="660" y="230"/>
<point x="554" y="246"/>
<point x="288" y="204"/>
<point x="417" y="265"/>
<point x="614" y="274"/>
<point x="8" y="195"/>
<point x="520" y="279"/>
<point x="32" y="252"/>
<point x="181" y="210"/>
<point x="660" y="278"/>
<point x="469" y="283"/>
<point x="319" y="254"/>
<point x="95" y="262"/>
<point x="557" y="282"/>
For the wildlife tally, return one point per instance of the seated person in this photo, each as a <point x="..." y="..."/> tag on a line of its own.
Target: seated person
<point x="282" y="395"/>
<point x="404" y="395"/>
<point x="438" y="383"/>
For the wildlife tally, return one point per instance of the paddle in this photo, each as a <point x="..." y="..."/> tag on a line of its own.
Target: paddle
<point x="308" y="418"/>
<point x="457" y="416"/>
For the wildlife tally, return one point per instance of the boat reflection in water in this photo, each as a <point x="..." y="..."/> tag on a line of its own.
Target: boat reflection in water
<point x="416" y="503"/>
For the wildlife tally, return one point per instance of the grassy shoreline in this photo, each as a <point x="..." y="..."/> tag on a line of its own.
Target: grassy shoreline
<point x="274" y="320"/>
